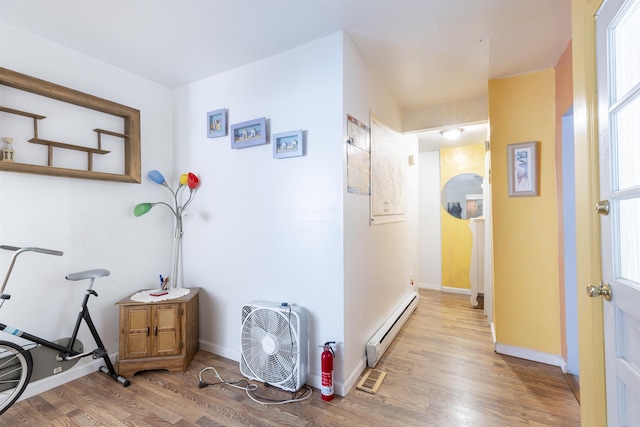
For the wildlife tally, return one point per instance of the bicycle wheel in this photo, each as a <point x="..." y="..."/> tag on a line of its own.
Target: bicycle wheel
<point x="15" y="371"/>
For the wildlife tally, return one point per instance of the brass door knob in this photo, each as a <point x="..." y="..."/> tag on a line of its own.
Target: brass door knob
<point x="602" y="207"/>
<point x="602" y="290"/>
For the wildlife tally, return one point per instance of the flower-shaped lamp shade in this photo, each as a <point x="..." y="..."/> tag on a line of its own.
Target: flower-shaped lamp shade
<point x="142" y="208"/>
<point x="184" y="179"/>
<point x="156" y="177"/>
<point x="192" y="181"/>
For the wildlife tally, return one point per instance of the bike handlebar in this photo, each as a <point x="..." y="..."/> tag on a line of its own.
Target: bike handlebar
<point x="18" y="251"/>
<point x="34" y="249"/>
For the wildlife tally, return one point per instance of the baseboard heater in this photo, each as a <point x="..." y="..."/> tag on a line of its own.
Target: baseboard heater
<point x="383" y="338"/>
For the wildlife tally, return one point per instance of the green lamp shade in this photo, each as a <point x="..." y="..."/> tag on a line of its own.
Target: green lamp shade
<point x="142" y="209"/>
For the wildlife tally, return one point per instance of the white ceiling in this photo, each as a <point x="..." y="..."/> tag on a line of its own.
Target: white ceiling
<point x="428" y="52"/>
<point x="432" y="140"/>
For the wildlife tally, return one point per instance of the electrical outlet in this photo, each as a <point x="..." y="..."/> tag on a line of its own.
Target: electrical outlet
<point x="411" y="278"/>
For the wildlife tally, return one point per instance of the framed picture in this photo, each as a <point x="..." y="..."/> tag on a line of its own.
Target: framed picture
<point x="523" y="165"/>
<point x="287" y="144"/>
<point x="248" y="134"/>
<point x="216" y="123"/>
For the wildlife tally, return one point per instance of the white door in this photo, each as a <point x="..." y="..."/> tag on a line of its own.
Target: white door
<point x="618" y="48"/>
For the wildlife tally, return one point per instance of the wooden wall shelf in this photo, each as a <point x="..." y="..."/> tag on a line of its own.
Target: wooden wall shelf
<point x="50" y="144"/>
<point x="131" y="135"/>
<point x="22" y="113"/>
<point x="67" y="146"/>
<point x="69" y="173"/>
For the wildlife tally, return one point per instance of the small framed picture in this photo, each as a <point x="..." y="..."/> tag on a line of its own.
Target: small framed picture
<point x="523" y="165"/>
<point x="248" y="134"/>
<point x="217" y="123"/>
<point x="287" y="144"/>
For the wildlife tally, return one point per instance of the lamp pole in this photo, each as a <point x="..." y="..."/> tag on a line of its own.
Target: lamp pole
<point x="190" y="180"/>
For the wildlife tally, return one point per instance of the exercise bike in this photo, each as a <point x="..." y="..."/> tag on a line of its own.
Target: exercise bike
<point x="43" y="358"/>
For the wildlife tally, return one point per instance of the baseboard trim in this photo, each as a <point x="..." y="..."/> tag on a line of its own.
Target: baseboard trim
<point x="220" y="351"/>
<point x="532" y="355"/>
<point x="431" y="286"/>
<point x="456" y="290"/>
<point x="351" y="381"/>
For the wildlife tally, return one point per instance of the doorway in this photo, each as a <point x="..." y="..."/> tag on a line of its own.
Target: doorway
<point x="569" y="255"/>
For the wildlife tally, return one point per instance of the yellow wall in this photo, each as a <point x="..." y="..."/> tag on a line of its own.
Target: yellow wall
<point x="456" y="234"/>
<point x="525" y="229"/>
<point x="590" y="333"/>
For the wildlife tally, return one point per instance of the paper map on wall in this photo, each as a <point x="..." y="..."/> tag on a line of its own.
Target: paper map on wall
<point x="358" y="157"/>
<point x="388" y="162"/>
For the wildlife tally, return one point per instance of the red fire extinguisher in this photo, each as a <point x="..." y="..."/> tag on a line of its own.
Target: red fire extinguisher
<point x="327" y="371"/>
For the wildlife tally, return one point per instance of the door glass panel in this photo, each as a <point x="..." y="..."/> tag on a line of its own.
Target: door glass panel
<point x="626" y="35"/>
<point x="629" y="259"/>
<point x="626" y="139"/>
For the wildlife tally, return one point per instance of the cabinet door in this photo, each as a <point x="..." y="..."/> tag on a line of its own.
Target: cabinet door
<point x="135" y="321"/>
<point x="166" y="330"/>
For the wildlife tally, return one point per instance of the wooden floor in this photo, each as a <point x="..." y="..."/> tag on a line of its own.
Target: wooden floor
<point x="441" y="371"/>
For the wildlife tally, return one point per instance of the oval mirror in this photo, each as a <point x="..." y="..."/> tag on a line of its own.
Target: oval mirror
<point x="462" y="196"/>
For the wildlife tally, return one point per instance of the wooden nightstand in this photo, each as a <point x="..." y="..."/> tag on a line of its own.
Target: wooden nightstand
<point x="158" y="335"/>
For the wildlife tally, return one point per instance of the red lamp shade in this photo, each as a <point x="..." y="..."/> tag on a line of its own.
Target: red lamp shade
<point x="192" y="181"/>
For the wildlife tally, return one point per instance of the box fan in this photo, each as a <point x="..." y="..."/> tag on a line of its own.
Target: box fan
<point x="275" y="344"/>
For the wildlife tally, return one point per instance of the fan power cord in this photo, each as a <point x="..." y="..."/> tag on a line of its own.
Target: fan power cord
<point x="264" y="401"/>
<point x="202" y="383"/>
<point x="251" y="388"/>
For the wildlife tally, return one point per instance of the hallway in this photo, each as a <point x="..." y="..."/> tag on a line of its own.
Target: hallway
<point x="445" y="354"/>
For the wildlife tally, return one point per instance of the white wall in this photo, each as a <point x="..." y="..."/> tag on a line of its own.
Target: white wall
<point x="260" y="228"/>
<point x="276" y="229"/>
<point x="429" y="227"/>
<point x="92" y="222"/>
<point x="378" y="259"/>
<point x="264" y="228"/>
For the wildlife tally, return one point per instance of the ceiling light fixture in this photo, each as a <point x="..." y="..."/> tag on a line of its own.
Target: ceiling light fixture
<point x="451" y="134"/>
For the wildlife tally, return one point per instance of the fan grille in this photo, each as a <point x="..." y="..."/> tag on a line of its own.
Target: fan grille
<point x="271" y="347"/>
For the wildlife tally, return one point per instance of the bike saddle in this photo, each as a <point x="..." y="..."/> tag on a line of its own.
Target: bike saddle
<point x="88" y="274"/>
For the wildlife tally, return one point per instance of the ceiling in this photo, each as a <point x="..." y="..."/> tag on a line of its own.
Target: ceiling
<point x="432" y="140"/>
<point x="427" y="52"/>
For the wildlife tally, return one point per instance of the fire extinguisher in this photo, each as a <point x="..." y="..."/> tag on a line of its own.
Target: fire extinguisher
<point x="327" y="371"/>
